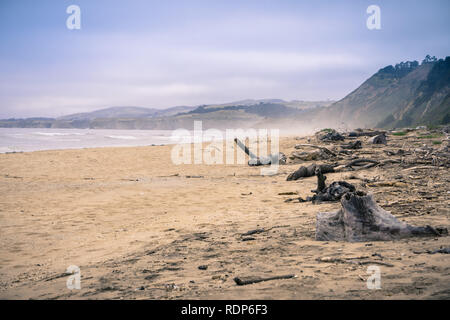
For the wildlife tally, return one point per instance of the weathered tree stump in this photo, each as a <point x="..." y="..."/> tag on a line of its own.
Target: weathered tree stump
<point x="361" y="219"/>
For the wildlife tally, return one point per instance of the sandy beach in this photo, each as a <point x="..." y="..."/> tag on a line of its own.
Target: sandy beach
<point x="139" y="226"/>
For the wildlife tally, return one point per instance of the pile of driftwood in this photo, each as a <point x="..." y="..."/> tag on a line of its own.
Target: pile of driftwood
<point x="333" y="192"/>
<point x="435" y="157"/>
<point x="360" y="218"/>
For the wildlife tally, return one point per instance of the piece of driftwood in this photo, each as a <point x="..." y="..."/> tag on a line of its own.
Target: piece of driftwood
<point x="362" y="162"/>
<point x="390" y="161"/>
<point x="333" y="192"/>
<point x="332" y="135"/>
<point x="419" y="168"/>
<point x="320" y="154"/>
<point x="379" y="139"/>
<point x="361" y="219"/>
<point x="321" y="186"/>
<point x="279" y="158"/>
<point x="353" y="261"/>
<point x="255" y="231"/>
<point x="443" y="250"/>
<point x="261" y="230"/>
<point x="299" y="199"/>
<point x="309" y="171"/>
<point x="352" y="145"/>
<point x="398" y="152"/>
<point x="359" y="164"/>
<point x="245" y="149"/>
<point x="58" y="276"/>
<point x="242" y="281"/>
<point x="326" y="150"/>
<point x="288" y="193"/>
<point x="361" y="133"/>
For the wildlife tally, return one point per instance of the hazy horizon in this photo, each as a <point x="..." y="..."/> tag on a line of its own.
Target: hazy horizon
<point x="160" y="55"/>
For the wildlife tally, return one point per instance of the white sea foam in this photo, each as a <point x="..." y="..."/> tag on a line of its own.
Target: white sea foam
<point x="32" y="139"/>
<point x="54" y="134"/>
<point x="122" y="137"/>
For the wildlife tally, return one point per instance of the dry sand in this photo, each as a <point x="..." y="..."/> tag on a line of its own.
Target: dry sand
<point x="138" y="227"/>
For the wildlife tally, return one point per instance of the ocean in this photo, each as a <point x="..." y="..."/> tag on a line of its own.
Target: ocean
<point x="35" y="139"/>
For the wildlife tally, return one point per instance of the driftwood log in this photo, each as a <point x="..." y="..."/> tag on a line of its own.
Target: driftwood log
<point x="361" y="219"/>
<point x="352" y="145"/>
<point x="242" y="281"/>
<point x="309" y="171"/>
<point x="326" y="150"/>
<point x="279" y="158"/>
<point x="332" y="135"/>
<point x="379" y="139"/>
<point x="361" y="133"/>
<point x="310" y="156"/>
<point x="364" y="163"/>
<point x="320" y="181"/>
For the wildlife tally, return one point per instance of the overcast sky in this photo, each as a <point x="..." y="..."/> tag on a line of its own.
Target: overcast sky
<point x="168" y="53"/>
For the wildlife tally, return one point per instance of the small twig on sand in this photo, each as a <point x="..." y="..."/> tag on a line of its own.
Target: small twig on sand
<point x="255" y="231"/>
<point x="390" y="161"/>
<point x="352" y="260"/>
<point x="57" y="276"/>
<point x="420" y="167"/>
<point x="242" y="281"/>
<point x="376" y="262"/>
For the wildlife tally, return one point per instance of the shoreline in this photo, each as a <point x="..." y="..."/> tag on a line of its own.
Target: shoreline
<point x="85" y="148"/>
<point x="170" y="143"/>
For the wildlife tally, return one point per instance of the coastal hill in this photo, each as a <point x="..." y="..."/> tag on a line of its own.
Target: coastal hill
<point x="124" y="112"/>
<point x="242" y="114"/>
<point x="407" y="94"/>
<point x="403" y="95"/>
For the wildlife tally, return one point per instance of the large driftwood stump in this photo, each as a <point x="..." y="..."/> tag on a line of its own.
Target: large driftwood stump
<point x="362" y="219"/>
